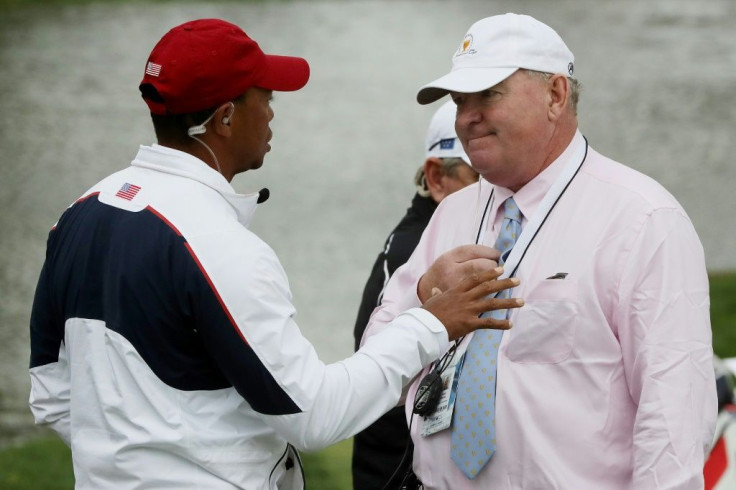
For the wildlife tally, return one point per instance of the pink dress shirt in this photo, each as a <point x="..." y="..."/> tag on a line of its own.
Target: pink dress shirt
<point x="606" y="379"/>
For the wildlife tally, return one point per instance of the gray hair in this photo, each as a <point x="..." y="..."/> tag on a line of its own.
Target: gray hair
<point x="575" y="86"/>
<point x="449" y="168"/>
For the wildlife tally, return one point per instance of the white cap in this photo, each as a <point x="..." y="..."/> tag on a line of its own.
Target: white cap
<point x="494" y="48"/>
<point x="442" y="141"/>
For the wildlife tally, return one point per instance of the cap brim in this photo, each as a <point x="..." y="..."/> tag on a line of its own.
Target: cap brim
<point x="284" y="73"/>
<point x="463" y="80"/>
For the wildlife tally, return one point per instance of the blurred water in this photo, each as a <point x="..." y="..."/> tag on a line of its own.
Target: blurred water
<point x="659" y="83"/>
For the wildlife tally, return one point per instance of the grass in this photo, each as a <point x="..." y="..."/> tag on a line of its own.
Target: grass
<point x="723" y="313"/>
<point x="45" y="463"/>
<point x="329" y="469"/>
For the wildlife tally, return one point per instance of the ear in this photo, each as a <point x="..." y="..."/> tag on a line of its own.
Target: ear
<point x="434" y="175"/>
<point x="222" y="119"/>
<point x="559" y="93"/>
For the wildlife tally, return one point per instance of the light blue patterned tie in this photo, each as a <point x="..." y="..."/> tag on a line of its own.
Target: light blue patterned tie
<point x="473" y="434"/>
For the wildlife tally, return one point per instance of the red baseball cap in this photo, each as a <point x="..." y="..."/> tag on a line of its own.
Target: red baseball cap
<point x="207" y="62"/>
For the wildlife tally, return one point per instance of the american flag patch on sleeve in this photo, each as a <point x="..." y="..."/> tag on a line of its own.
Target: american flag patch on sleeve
<point x="128" y="191"/>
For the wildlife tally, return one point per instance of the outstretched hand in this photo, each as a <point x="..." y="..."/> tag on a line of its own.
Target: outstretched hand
<point x="459" y="308"/>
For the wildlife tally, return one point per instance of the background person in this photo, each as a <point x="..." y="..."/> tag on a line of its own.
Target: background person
<point x="606" y="379"/>
<point x="378" y="450"/>
<point x="163" y="344"/>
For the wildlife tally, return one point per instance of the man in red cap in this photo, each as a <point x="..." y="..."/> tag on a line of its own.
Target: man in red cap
<point x="163" y="345"/>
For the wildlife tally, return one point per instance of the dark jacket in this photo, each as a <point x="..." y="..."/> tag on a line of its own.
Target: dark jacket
<point x="378" y="450"/>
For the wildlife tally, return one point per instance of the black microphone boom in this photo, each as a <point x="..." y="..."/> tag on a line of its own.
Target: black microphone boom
<point x="263" y="194"/>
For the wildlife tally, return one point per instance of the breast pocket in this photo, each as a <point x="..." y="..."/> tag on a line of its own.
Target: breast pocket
<point x="544" y="328"/>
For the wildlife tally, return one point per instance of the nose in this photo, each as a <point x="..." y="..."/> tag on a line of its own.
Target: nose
<point x="467" y="115"/>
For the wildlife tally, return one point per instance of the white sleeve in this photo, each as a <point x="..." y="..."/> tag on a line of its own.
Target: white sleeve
<point x="354" y="392"/>
<point x="49" y="400"/>
<point x="310" y="404"/>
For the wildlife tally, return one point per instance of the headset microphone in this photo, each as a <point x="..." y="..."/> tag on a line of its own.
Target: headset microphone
<point x="263" y="194"/>
<point x="193" y="131"/>
<point x="198" y="129"/>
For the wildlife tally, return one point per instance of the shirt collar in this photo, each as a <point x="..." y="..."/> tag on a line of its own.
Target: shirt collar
<point x="530" y="196"/>
<point x="175" y="162"/>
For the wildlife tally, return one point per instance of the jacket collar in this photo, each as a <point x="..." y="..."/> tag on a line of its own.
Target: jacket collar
<point x="423" y="206"/>
<point x="175" y="162"/>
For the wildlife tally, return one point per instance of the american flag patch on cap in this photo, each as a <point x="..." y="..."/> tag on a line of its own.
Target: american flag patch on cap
<point x="128" y="191"/>
<point x="153" y="69"/>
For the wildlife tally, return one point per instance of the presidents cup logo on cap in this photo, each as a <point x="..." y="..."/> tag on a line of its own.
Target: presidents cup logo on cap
<point x="465" y="46"/>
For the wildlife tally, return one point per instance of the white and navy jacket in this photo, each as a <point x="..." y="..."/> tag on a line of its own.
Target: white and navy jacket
<point x="163" y="344"/>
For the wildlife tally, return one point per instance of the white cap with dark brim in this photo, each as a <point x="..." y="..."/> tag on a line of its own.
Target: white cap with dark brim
<point x="442" y="141"/>
<point x="494" y="48"/>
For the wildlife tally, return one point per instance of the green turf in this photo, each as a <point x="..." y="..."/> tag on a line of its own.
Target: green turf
<point x="46" y="464"/>
<point x="329" y="469"/>
<point x="723" y="313"/>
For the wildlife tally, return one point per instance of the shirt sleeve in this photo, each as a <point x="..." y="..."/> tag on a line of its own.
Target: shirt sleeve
<point x="259" y="347"/>
<point x="663" y="325"/>
<point x="50" y="396"/>
<point x="354" y="392"/>
<point x="49" y="399"/>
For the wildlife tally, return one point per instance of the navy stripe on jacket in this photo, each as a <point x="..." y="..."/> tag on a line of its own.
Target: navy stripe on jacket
<point x="137" y="274"/>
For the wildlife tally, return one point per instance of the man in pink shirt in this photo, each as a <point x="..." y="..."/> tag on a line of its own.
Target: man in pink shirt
<point x="606" y="379"/>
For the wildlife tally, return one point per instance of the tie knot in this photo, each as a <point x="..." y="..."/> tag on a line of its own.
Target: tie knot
<point x="510" y="229"/>
<point x="511" y="210"/>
